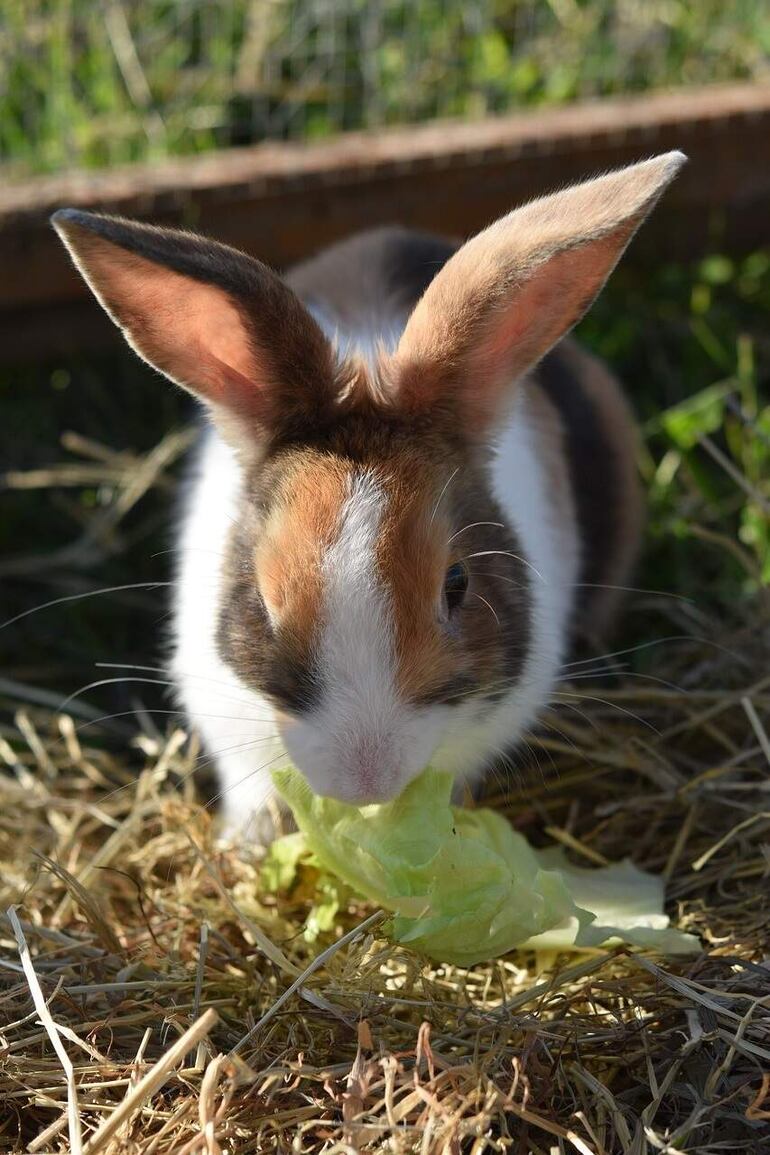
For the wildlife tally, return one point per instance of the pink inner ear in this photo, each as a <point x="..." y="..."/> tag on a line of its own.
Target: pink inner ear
<point x="535" y="317"/>
<point x="546" y="306"/>
<point x="192" y="331"/>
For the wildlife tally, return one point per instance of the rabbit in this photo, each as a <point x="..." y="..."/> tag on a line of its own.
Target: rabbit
<point x="414" y="491"/>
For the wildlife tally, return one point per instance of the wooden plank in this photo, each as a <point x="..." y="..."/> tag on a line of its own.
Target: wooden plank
<point x="283" y="201"/>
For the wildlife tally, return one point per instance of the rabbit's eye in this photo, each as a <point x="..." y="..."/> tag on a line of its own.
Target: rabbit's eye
<point x="455" y="585"/>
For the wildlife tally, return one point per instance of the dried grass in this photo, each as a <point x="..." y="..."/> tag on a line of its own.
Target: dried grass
<point x="154" y="1000"/>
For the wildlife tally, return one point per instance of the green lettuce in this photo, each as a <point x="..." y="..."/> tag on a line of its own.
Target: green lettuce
<point x="463" y="886"/>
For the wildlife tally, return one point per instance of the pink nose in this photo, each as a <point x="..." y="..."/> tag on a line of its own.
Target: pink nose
<point x="360" y="794"/>
<point x="370" y="777"/>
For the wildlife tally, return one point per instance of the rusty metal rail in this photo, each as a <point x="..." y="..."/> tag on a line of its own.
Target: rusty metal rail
<point x="282" y="201"/>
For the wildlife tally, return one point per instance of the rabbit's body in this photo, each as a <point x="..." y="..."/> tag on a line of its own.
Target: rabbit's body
<point x="362" y="292"/>
<point x="414" y="494"/>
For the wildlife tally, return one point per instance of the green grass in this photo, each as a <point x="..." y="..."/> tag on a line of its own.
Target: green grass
<point x="102" y="84"/>
<point x="691" y="344"/>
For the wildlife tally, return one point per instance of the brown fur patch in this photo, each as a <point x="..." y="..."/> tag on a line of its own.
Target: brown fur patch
<point x="304" y="521"/>
<point x="413" y="558"/>
<point x="426" y="531"/>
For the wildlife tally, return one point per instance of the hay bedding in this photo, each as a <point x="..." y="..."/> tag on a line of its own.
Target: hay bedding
<point x="153" y="999"/>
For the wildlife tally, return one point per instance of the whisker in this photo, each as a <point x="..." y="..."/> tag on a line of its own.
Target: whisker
<point x="186" y="549"/>
<point x="567" y="679"/>
<point x="132" y="666"/>
<point x="575" y="710"/>
<point x="632" y="590"/>
<point x="447" y="483"/>
<point x="622" y="673"/>
<point x="81" y="597"/>
<point x="235" y="785"/>
<point x="200" y="764"/>
<point x="534" y="757"/>
<point x="491" y="687"/>
<point x="597" y="585"/>
<point x="36" y="696"/>
<point x="474" y="525"/>
<point x="502" y="769"/>
<point x="502" y="577"/>
<point x="611" y="705"/>
<point x="141" y="709"/>
<point x="504" y="553"/>
<point x="108" y="682"/>
<point x="152" y="710"/>
<point x="611" y="668"/>
<point x="184" y="673"/>
<point x="486" y="603"/>
<point x="654" y="642"/>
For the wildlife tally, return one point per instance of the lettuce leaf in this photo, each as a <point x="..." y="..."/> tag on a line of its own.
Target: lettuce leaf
<point x="463" y="885"/>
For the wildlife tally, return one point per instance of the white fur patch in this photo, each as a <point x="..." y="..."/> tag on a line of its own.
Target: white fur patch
<point x="238" y="727"/>
<point x="357" y="645"/>
<point x="363" y="743"/>
<point x="367" y="341"/>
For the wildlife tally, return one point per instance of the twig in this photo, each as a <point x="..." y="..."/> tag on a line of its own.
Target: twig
<point x="46" y="1018"/>
<point x="734" y="473"/>
<point x="757" y="727"/>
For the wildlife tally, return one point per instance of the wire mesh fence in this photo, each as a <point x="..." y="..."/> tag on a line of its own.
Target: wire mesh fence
<point x="84" y="83"/>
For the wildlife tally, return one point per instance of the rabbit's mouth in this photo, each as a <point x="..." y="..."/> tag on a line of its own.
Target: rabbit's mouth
<point x="360" y="763"/>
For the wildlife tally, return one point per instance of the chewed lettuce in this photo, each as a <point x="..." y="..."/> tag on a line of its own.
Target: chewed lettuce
<point x="463" y="886"/>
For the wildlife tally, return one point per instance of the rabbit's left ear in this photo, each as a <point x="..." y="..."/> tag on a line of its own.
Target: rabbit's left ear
<point x="511" y="292"/>
<point x="213" y="319"/>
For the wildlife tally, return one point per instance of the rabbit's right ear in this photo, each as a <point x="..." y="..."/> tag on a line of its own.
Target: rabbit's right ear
<point x="214" y="320"/>
<point x="509" y="294"/>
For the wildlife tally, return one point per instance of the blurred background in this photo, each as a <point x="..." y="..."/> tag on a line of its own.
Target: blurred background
<point x="279" y="125"/>
<point x="97" y="84"/>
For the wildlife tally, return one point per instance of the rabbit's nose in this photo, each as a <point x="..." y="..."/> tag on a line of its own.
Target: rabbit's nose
<point x="371" y="776"/>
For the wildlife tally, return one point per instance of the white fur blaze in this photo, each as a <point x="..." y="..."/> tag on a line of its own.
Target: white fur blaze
<point x="357" y="645"/>
<point x="363" y="743"/>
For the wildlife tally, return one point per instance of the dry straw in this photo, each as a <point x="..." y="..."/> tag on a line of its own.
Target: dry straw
<point x="155" y="1000"/>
